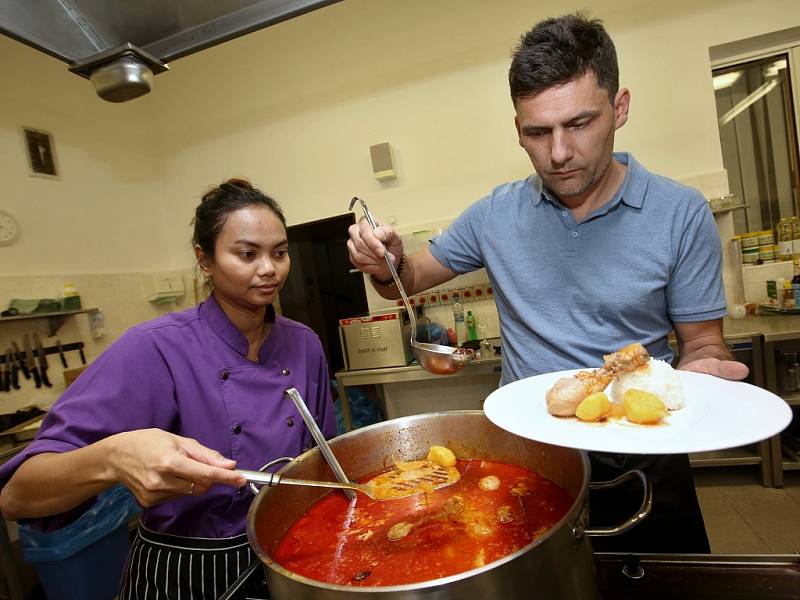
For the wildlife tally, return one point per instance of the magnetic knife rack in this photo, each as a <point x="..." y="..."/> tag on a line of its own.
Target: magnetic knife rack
<point x="16" y="358"/>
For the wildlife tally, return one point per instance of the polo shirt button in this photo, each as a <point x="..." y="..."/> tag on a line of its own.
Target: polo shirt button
<point x="574" y="234"/>
<point x="237" y="429"/>
<point x="564" y="214"/>
<point x="285" y="372"/>
<point x="224" y="375"/>
<point x="290" y="422"/>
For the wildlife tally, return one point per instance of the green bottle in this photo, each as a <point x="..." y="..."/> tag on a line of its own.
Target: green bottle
<point x="471" y="333"/>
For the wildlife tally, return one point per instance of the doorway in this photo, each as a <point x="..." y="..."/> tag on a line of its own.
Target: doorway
<point x="322" y="286"/>
<point x="759" y="137"/>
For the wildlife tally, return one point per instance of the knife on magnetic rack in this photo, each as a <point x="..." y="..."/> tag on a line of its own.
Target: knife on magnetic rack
<point x="11" y="365"/>
<point x="42" y="360"/>
<point x="20" y="359"/>
<point x="30" y="362"/>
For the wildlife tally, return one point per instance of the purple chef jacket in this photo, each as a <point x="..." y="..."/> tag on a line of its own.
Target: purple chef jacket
<point x="187" y="373"/>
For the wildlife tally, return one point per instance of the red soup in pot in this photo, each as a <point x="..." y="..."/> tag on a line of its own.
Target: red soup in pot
<point x="493" y="510"/>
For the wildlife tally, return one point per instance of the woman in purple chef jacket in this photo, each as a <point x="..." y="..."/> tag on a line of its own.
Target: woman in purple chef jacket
<point x="176" y="404"/>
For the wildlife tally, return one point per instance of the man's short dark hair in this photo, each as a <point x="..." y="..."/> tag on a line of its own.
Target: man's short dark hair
<point x="559" y="50"/>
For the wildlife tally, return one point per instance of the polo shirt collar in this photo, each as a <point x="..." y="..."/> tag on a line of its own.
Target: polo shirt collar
<point x="212" y="312"/>
<point x="631" y="192"/>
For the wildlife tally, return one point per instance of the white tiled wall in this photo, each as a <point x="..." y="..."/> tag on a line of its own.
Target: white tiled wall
<point x="484" y="311"/>
<point x="121" y="297"/>
<point x="755" y="278"/>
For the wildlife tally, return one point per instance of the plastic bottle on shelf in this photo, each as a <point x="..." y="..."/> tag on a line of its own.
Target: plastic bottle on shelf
<point x="785" y="244"/>
<point x="72" y="299"/>
<point x="459" y="323"/>
<point x="470" y="320"/>
<point x="795" y="243"/>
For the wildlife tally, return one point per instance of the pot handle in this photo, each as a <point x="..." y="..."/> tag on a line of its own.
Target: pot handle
<point x="644" y="509"/>
<point x="267" y="467"/>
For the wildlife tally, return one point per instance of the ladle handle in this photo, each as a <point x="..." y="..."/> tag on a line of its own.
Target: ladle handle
<point x="322" y="443"/>
<point x="412" y="318"/>
<point x="272" y="479"/>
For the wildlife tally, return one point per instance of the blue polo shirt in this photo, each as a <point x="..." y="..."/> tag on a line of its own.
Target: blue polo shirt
<point x="569" y="292"/>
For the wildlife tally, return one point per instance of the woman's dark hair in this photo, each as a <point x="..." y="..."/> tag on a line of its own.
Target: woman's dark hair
<point x="219" y="202"/>
<point x="559" y="50"/>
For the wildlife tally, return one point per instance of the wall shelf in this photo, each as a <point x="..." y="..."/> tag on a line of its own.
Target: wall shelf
<point x="54" y="319"/>
<point x="727" y="209"/>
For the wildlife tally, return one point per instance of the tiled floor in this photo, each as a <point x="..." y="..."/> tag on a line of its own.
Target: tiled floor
<point x="743" y="517"/>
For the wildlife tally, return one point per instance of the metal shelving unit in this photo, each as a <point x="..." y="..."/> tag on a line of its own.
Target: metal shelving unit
<point x="727" y="209"/>
<point x="784" y="448"/>
<point x="747" y="346"/>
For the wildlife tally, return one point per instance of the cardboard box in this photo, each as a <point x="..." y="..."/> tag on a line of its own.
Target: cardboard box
<point x="375" y="341"/>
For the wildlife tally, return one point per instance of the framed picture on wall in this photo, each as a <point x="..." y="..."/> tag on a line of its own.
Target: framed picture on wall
<point x="40" y="150"/>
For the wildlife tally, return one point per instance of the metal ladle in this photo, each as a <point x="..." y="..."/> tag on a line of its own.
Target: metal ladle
<point x="434" y="358"/>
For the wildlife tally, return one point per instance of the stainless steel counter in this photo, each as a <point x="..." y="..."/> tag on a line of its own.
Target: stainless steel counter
<point x="414" y="372"/>
<point x="771" y="327"/>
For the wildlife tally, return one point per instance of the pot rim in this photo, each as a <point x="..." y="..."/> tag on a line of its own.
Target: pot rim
<point x="568" y="519"/>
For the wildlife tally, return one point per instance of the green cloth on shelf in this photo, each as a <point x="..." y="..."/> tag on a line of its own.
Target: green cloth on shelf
<point x="41" y="305"/>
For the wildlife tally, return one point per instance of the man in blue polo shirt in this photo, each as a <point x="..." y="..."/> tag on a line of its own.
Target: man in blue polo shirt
<point x="590" y="254"/>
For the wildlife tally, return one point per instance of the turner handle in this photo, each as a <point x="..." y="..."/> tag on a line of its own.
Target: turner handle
<point x="276" y="479"/>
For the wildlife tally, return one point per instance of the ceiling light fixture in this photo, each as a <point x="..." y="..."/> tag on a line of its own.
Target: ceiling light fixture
<point x="726" y="80"/>
<point x="761" y="91"/>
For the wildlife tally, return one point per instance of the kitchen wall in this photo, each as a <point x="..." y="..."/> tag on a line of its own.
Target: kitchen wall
<point x="103" y="213"/>
<point x="122" y="298"/>
<point x="430" y="78"/>
<point x="295" y="108"/>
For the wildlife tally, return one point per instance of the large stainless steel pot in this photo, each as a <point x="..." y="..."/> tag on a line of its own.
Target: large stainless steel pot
<point x="557" y="565"/>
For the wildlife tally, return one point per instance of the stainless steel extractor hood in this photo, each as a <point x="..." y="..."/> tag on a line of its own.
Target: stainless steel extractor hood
<point x="121" y="44"/>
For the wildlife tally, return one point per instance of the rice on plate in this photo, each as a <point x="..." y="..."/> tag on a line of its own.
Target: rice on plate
<point x="657" y="377"/>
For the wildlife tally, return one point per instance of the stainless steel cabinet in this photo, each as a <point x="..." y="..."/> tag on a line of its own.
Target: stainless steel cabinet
<point x="746" y="345"/>
<point x="784" y="448"/>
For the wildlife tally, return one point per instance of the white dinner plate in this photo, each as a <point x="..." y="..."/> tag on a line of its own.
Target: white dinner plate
<point x="717" y="414"/>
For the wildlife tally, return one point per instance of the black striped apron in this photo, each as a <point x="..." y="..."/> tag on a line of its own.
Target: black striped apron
<point x="168" y="567"/>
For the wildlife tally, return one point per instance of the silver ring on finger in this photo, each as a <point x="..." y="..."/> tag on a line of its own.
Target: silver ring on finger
<point x="191" y="489"/>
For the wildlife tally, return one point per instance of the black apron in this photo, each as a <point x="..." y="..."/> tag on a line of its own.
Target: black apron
<point x="675" y="525"/>
<point x="169" y="567"/>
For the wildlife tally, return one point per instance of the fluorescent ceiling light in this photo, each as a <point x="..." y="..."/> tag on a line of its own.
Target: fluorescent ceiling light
<point x="761" y="91"/>
<point x="726" y="80"/>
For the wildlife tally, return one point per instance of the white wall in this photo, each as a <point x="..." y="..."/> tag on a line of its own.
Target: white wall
<point x="296" y="106"/>
<point x="103" y="214"/>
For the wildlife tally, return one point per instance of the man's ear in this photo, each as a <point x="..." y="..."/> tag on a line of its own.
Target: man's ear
<point x="519" y="134"/>
<point x="622" y="104"/>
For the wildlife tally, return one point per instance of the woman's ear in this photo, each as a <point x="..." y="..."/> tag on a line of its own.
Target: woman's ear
<point x="202" y="260"/>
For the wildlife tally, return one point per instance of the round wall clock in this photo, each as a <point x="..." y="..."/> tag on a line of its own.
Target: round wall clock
<point x="9" y="229"/>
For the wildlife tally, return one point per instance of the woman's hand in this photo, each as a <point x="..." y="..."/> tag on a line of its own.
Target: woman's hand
<point x="158" y="466"/>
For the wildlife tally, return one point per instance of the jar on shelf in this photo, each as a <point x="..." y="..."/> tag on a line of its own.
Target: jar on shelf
<point x="750" y="240"/>
<point x="765" y="238"/>
<point x="766" y="253"/>
<point x="750" y="255"/>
